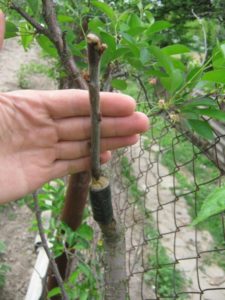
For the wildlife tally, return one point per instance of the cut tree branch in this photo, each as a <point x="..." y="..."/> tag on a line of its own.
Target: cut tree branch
<point x="95" y="50"/>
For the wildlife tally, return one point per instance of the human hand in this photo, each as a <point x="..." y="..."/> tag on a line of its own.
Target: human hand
<point x="45" y="135"/>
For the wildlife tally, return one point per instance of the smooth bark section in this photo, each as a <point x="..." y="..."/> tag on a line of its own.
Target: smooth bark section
<point x="95" y="50"/>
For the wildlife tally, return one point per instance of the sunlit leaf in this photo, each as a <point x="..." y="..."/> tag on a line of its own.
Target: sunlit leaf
<point x="65" y="19"/>
<point x="105" y="8"/>
<point x="26" y="34"/>
<point x="85" y="231"/>
<point x="175" y="49"/>
<point x="158" y="26"/>
<point x="217" y="76"/>
<point x="213" y="204"/>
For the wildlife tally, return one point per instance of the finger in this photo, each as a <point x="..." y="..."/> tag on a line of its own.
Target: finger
<point x="64" y="167"/>
<point x="75" y="129"/>
<point x="2" y="28"/>
<point x="75" y="150"/>
<point x="69" y="103"/>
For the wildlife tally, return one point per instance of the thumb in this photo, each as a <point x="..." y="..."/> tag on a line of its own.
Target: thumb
<point x="2" y="28"/>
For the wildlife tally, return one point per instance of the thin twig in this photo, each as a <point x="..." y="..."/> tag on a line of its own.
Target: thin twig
<point x="95" y="50"/>
<point x="40" y="29"/>
<point x="54" y="266"/>
<point x="143" y="88"/>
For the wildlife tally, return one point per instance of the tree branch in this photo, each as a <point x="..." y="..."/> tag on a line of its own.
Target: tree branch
<point x="95" y="50"/>
<point x="58" y="38"/>
<point x="55" y="269"/>
<point x="40" y="29"/>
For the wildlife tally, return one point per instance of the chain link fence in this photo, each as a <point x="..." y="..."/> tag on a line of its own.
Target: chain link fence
<point x="158" y="187"/>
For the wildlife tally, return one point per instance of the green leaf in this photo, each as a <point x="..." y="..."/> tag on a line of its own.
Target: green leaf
<point x="213" y="204"/>
<point x="54" y="292"/>
<point x="222" y="49"/>
<point x="217" y="76"/>
<point x="84" y="295"/>
<point x="213" y="113"/>
<point x="175" y="49"/>
<point x="85" y="231"/>
<point x="202" y="128"/>
<point x="204" y="102"/>
<point x="95" y="25"/>
<point x="218" y="57"/>
<point x="134" y="21"/>
<point x="109" y="40"/>
<point x="11" y="30"/>
<point x="65" y="19"/>
<point x="193" y="77"/>
<point x="34" y="5"/>
<point x="158" y="26"/>
<point x="47" y="45"/>
<point x="26" y="34"/>
<point x="73" y="277"/>
<point x="106" y="9"/>
<point x="163" y="59"/>
<point x="119" y="84"/>
<point x="145" y="56"/>
<point x="85" y="269"/>
<point x="173" y="82"/>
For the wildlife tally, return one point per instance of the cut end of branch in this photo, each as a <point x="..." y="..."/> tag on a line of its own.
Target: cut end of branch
<point x="99" y="184"/>
<point x="95" y="41"/>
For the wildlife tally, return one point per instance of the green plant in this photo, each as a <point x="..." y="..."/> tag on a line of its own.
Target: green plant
<point x="4" y="268"/>
<point x="86" y="277"/>
<point x="33" y="68"/>
<point x="138" y="54"/>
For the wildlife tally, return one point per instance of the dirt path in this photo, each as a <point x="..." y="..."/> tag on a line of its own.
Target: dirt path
<point x="15" y="221"/>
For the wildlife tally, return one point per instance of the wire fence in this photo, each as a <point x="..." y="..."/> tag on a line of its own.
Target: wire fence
<point x="158" y="187"/>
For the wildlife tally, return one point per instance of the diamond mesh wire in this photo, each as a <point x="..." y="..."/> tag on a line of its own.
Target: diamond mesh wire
<point x="158" y="187"/>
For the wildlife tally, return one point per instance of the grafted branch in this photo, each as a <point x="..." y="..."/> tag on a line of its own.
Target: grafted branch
<point x="95" y="50"/>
